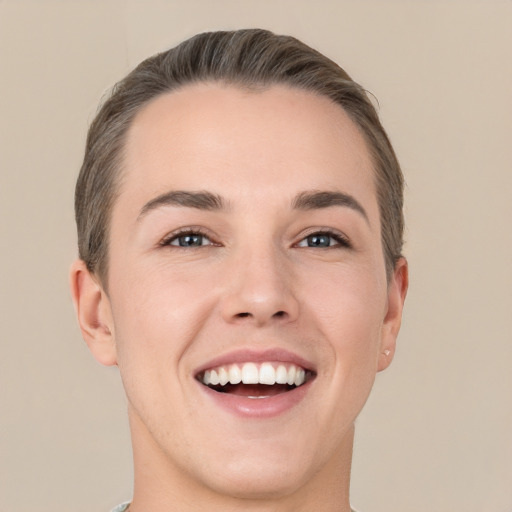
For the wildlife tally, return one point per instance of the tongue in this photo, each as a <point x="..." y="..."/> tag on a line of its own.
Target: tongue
<point x="255" y="389"/>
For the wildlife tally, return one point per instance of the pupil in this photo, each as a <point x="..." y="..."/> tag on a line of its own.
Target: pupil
<point x="319" y="241"/>
<point x="190" y="240"/>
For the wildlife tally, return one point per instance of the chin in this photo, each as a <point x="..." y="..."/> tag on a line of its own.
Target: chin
<point x="260" y="482"/>
<point x="264" y="471"/>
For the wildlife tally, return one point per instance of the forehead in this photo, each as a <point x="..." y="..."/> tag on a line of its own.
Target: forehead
<point x="249" y="145"/>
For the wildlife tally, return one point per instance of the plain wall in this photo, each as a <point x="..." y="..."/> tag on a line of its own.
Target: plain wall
<point x="436" y="434"/>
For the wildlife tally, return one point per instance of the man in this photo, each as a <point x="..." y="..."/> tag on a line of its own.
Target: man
<point x="239" y="217"/>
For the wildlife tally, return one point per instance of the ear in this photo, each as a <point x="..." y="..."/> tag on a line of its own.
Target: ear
<point x="397" y="290"/>
<point x="94" y="313"/>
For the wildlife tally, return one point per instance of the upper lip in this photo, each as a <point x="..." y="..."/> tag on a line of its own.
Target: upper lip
<point x="256" y="356"/>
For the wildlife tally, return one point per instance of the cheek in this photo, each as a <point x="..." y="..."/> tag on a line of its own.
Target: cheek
<point x="157" y="316"/>
<point x="158" y="311"/>
<point x="350" y="306"/>
<point x="349" y="313"/>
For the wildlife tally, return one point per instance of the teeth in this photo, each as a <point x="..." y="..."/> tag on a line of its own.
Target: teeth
<point x="251" y="373"/>
<point x="223" y="376"/>
<point x="291" y="376"/>
<point x="235" y="374"/>
<point x="214" y="378"/>
<point x="267" y="374"/>
<point x="281" y="374"/>
<point x="299" y="377"/>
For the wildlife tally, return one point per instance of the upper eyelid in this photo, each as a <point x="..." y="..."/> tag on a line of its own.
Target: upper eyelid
<point x="325" y="231"/>
<point x="210" y="236"/>
<point x="186" y="231"/>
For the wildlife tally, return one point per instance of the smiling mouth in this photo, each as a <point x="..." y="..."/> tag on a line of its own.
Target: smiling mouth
<point x="255" y="380"/>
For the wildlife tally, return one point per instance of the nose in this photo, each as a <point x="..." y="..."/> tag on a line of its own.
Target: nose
<point x="260" y="290"/>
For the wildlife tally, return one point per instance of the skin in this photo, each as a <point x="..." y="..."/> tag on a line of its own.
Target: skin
<point x="254" y="283"/>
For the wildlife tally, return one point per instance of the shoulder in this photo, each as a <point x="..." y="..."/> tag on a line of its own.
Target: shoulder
<point x="121" y="508"/>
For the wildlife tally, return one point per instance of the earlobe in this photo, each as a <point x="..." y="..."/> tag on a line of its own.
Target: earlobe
<point x="93" y="310"/>
<point x="397" y="291"/>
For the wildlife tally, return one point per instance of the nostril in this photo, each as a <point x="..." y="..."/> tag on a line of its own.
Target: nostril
<point x="281" y="314"/>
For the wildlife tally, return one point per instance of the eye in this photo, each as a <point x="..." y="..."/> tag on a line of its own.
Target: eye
<point x="187" y="239"/>
<point x="324" y="239"/>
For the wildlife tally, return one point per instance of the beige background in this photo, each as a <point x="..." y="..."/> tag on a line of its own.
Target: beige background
<point x="436" y="435"/>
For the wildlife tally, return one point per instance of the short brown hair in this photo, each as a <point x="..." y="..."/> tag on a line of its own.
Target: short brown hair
<point x="253" y="59"/>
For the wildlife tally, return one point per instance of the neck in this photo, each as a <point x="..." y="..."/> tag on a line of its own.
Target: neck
<point x="162" y="485"/>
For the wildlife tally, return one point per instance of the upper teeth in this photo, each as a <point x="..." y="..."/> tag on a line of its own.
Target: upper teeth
<point x="252" y="373"/>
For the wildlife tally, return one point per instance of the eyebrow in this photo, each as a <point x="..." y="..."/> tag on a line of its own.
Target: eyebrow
<point x="201" y="200"/>
<point x="314" y="200"/>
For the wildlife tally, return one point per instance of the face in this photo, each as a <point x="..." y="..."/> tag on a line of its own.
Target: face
<point x="246" y="244"/>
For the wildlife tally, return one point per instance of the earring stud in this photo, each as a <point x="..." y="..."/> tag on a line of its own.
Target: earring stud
<point x="387" y="352"/>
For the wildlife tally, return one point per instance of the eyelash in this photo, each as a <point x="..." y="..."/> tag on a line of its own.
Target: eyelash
<point x="341" y="240"/>
<point x="167" y="241"/>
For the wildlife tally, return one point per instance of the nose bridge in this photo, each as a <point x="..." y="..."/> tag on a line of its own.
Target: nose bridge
<point x="261" y="286"/>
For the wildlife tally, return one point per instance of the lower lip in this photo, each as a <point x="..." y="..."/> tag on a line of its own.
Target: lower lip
<point x="258" y="407"/>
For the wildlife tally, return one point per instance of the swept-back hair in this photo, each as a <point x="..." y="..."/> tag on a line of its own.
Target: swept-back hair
<point x="254" y="59"/>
